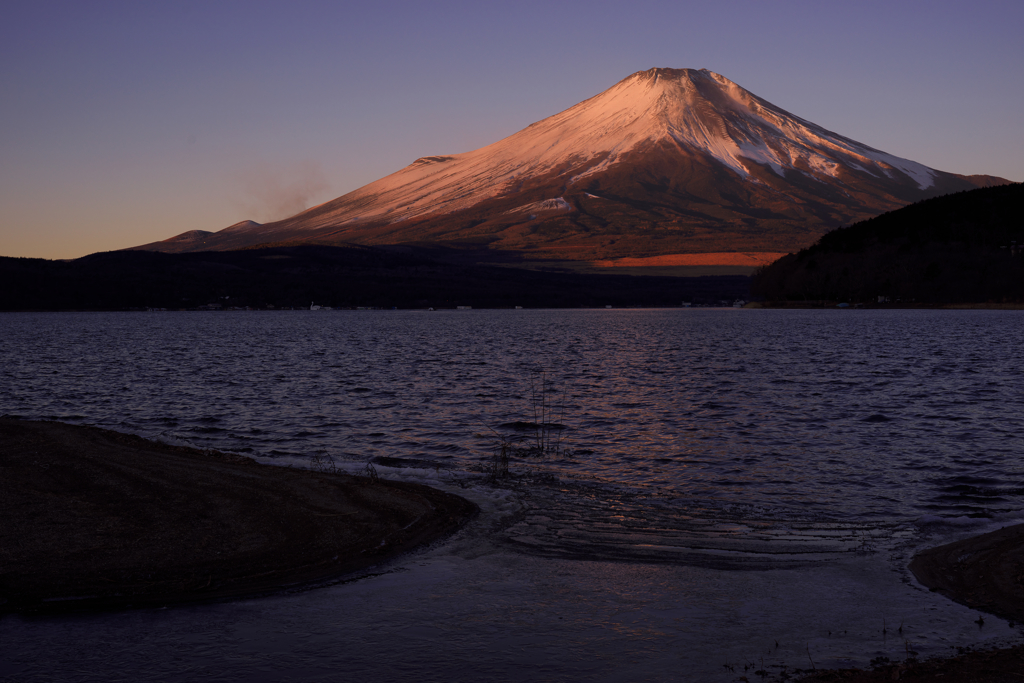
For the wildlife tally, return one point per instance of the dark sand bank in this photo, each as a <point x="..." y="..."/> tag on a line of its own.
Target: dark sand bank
<point x="94" y="519"/>
<point x="986" y="573"/>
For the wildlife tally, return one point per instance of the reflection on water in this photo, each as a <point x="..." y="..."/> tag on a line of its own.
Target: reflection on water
<point x="859" y="414"/>
<point x="570" y="520"/>
<point x="738" y="478"/>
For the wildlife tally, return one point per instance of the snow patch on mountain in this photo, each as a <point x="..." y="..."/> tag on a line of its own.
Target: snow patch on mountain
<point x="922" y="175"/>
<point x="762" y="154"/>
<point x="558" y="204"/>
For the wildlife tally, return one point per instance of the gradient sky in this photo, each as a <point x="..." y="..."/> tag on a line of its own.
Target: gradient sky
<point x="123" y="123"/>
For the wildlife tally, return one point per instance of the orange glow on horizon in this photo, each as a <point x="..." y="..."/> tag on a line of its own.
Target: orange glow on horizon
<point x="746" y="258"/>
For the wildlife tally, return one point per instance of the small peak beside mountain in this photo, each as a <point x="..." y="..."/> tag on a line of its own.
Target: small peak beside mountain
<point x="190" y="236"/>
<point x="242" y="226"/>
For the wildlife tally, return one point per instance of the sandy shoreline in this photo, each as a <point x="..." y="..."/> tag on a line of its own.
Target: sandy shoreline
<point x="985" y="573"/>
<point x="94" y="519"/>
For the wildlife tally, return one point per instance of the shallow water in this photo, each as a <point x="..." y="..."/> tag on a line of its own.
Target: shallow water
<point x="738" y="477"/>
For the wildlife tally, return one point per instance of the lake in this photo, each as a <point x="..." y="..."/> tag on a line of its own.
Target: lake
<point x="725" y="480"/>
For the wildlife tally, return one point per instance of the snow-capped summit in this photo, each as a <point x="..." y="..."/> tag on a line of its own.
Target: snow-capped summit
<point x="666" y="161"/>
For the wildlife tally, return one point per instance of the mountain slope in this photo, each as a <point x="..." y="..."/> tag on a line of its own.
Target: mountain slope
<point x="665" y="161"/>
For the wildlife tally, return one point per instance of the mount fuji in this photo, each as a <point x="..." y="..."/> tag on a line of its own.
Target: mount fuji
<point x="668" y="166"/>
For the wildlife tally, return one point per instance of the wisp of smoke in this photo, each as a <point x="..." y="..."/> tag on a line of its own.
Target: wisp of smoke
<point x="271" y="193"/>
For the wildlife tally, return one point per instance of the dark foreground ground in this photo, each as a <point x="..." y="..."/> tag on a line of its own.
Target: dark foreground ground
<point x="986" y="573"/>
<point x="973" y="666"/>
<point x="94" y="519"/>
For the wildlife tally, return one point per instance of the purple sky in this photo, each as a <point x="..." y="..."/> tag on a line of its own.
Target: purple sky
<point x="129" y="122"/>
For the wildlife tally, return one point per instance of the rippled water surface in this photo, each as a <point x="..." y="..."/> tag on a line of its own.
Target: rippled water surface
<point x="813" y="450"/>
<point x="869" y="414"/>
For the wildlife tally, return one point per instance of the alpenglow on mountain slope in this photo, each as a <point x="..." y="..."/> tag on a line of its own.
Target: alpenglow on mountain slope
<point x="665" y="162"/>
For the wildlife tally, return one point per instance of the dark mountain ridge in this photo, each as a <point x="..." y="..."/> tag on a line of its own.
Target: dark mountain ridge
<point x="350" y="276"/>
<point x="966" y="247"/>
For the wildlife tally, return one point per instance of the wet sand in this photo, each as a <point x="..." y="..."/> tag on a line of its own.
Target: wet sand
<point x="95" y="519"/>
<point x="985" y="573"/>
